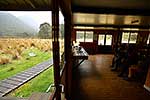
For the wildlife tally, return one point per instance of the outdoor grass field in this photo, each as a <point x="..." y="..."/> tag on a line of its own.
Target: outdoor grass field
<point x="16" y="66"/>
<point x="17" y="55"/>
<point x="38" y="84"/>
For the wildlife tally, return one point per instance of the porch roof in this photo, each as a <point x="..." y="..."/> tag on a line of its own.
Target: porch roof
<point x="94" y="12"/>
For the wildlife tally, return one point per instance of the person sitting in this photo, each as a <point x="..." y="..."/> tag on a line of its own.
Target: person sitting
<point x="139" y="71"/>
<point x="131" y="58"/>
<point x="119" y="55"/>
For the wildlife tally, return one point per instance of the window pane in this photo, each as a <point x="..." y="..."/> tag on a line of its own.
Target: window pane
<point x="89" y="36"/>
<point x="101" y="39"/>
<point x="125" y="37"/>
<point x="108" y="39"/>
<point x="133" y="37"/>
<point x="148" y="39"/>
<point x="80" y="36"/>
<point x="61" y="33"/>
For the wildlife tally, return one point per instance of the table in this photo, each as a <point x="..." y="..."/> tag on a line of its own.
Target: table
<point x="79" y="55"/>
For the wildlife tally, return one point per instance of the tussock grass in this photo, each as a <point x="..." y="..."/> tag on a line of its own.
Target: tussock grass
<point x="14" y="54"/>
<point x="24" y="63"/>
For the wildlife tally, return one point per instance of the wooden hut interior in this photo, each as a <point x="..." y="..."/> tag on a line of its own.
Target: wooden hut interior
<point x="106" y="49"/>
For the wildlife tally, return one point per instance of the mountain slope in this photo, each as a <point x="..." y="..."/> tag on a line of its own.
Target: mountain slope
<point x="29" y="21"/>
<point x="12" y="26"/>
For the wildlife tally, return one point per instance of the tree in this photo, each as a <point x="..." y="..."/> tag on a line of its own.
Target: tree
<point x="61" y="31"/>
<point x="45" y="31"/>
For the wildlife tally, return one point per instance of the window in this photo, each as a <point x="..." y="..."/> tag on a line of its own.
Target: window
<point x="129" y="37"/>
<point x="80" y="36"/>
<point x="125" y="37"/>
<point x="104" y="39"/>
<point x="84" y="36"/>
<point x="108" y="39"/>
<point x="101" y="39"/>
<point x="89" y="36"/>
<point x="133" y="37"/>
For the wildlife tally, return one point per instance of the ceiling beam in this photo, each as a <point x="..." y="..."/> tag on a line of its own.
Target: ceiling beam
<point x="115" y="26"/>
<point x="105" y="10"/>
<point x="23" y="5"/>
<point x="110" y="30"/>
<point x="28" y="2"/>
<point x="4" y="2"/>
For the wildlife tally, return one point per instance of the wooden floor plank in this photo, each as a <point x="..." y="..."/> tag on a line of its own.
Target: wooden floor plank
<point x="7" y="85"/>
<point x="4" y="90"/>
<point x="16" y="79"/>
<point x="29" y="73"/>
<point x="94" y="80"/>
<point x="1" y="94"/>
<point x="20" y="77"/>
<point x="23" y="74"/>
<point x="11" y="82"/>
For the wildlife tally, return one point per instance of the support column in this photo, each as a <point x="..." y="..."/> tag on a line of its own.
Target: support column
<point x="68" y="56"/>
<point x="55" y="35"/>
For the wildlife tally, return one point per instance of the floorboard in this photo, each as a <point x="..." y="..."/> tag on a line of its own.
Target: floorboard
<point x="93" y="80"/>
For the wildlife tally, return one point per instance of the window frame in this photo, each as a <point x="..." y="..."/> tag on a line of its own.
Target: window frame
<point x="88" y="32"/>
<point x="129" y="37"/>
<point x="105" y="40"/>
<point x="77" y="39"/>
<point x="84" y="36"/>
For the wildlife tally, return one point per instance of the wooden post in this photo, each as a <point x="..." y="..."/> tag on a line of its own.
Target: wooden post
<point x="65" y="6"/>
<point x="68" y="56"/>
<point x="55" y="35"/>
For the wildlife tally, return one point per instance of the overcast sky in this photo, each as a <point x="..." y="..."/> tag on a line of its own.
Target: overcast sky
<point x="38" y="16"/>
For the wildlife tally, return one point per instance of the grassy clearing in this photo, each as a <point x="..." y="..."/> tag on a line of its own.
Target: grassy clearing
<point x="25" y="62"/>
<point x="38" y="84"/>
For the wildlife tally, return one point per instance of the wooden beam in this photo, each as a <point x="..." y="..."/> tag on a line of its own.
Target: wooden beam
<point x="115" y="26"/>
<point x="9" y="1"/>
<point x="4" y="2"/>
<point x="68" y="56"/>
<point x="106" y="10"/>
<point x="110" y="30"/>
<point x="65" y="6"/>
<point x="20" y="3"/>
<point x="45" y="2"/>
<point x="56" y="55"/>
<point x="24" y="5"/>
<point x="28" y="2"/>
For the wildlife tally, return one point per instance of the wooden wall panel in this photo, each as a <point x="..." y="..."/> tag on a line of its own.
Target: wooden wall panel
<point x="147" y="83"/>
<point x="73" y="36"/>
<point x="142" y="38"/>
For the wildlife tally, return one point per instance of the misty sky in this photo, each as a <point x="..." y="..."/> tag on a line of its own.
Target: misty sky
<point x="38" y="16"/>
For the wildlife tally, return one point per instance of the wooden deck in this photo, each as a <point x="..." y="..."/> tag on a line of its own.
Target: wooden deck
<point x="11" y="83"/>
